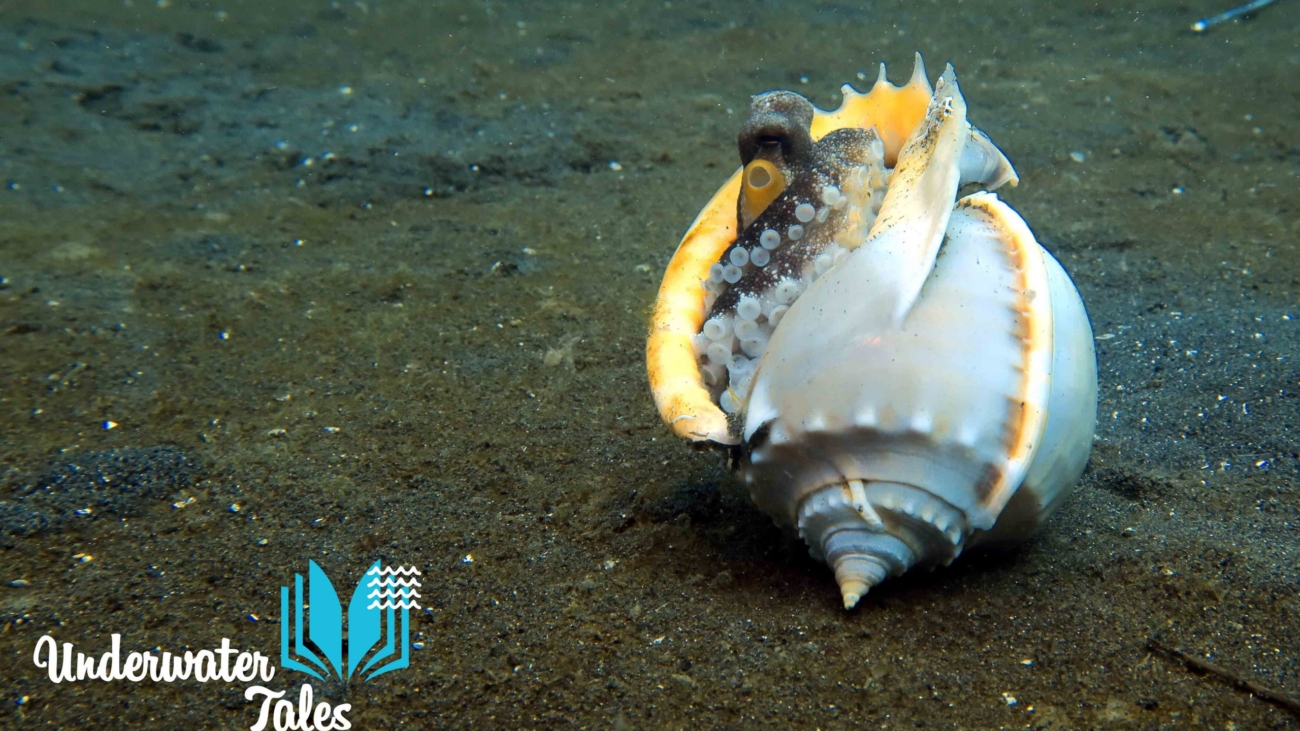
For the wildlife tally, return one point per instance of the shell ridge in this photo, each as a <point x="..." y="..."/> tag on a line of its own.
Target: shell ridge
<point x="1026" y="408"/>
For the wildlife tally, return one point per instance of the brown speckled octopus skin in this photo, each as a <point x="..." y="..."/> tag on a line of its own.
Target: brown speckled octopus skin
<point x="778" y="131"/>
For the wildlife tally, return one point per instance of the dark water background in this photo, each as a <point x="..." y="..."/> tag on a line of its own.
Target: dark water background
<point x="367" y="271"/>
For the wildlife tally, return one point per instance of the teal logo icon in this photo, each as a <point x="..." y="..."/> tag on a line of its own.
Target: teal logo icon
<point x="378" y="637"/>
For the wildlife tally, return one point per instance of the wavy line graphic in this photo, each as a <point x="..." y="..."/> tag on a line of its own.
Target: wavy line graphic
<point x="389" y="570"/>
<point x="393" y="582"/>
<point x="404" y="593"/>
<point x="391" y="605"/>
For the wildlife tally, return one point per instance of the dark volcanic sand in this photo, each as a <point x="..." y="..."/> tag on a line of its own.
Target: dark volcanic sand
<point x="451" y="361"/>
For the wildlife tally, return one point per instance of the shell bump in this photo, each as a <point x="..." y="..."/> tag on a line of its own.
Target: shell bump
<point x="902" y="374"/>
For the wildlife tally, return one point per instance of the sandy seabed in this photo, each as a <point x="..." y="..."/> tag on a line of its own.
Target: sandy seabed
<point x="370" y="281"/>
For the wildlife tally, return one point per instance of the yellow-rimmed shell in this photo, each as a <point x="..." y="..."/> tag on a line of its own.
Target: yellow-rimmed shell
<point x="900" y="406"/>
<point x="679" y="392"/>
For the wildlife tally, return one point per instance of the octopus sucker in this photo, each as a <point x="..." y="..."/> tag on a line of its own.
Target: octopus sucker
<point x="898" y="374"/>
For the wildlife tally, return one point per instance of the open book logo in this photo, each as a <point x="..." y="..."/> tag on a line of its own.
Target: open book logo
<point x="312" y="639"/>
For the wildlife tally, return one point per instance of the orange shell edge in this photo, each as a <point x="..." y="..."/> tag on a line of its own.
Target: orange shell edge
<point x="679" y="392"/>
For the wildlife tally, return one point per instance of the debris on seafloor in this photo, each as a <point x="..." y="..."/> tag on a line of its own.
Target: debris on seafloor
<point x="1203" y="24"/>
<point x="563" y="354"/>
<point x="1209" y="668"/>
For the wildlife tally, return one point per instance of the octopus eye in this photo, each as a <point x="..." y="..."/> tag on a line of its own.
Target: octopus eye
<point x="759" y="176"/>
<point x="762" y="183"/>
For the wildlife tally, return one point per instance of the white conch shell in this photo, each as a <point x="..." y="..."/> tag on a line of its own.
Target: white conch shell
<point x="937" y="388"/>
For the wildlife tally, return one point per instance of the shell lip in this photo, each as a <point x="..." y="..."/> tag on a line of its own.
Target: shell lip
<point x="679" y="393"/>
